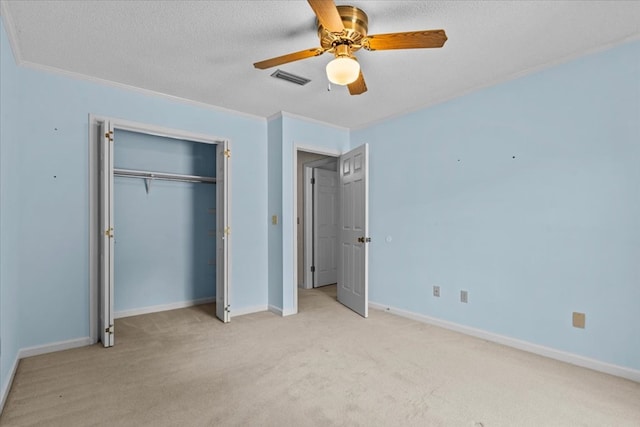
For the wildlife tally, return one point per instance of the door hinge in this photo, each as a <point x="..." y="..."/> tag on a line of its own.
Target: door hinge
<point x="109" y="232"/>
<point x="227" y="231"/>
<point x="228" y="308"/>
<point x="109" y="136"/>
<point x="227" y="153"/>
<point x="313" y="181"/>
<point x="313" y="268"/>
<point x="109" y="330"/>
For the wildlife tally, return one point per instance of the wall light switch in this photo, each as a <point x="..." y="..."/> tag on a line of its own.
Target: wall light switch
<point x="578" y="320"/>
<point x="464" y="296"/>
<point x="274" y="220"/>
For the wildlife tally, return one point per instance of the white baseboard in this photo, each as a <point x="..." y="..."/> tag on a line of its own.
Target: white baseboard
<point x="281" y="312"/>
<point x="6" y="387"/>
<point x="275" y="310"/>
<point x="574" y="359"/>
<point x="162" y="307"/>
<point x="248" y="310"/>
<point x="56" y="346"/>
<point x="289" y="312"/>
<point x="35" y="351"/>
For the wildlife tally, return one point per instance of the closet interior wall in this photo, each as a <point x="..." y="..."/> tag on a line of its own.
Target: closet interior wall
<point x="165" y="231"/>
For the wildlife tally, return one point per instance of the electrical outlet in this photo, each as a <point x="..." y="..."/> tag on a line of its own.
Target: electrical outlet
<point x="464" y="297"/>
<point x="436" y="290"/>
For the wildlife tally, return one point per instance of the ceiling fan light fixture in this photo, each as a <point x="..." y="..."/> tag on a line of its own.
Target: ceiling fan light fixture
<point x="343" y="30"/>
<point x="343" y="70"/>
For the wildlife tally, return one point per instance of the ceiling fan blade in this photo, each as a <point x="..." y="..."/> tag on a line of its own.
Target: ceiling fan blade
<point x="290" y="57"/>
<point x="408" y="40"/>
<point x="327" y="14"/>
<point x="359" y="86"/>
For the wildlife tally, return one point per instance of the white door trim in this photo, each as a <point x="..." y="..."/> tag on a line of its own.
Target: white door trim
<point x="94" y="192"/>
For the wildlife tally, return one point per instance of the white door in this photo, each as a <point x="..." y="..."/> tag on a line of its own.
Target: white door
<point x="223" y="231"/>
<point x="353" y="225"/>
<point x="325" y="227"/>
<point x="105" y="324"/>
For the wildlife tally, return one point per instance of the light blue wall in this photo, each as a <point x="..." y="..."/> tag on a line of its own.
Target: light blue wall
<point x="298" y="132"/>
<point x="275" y="208"/>
<point x="285" y="134"/>
<point x="164" y="239"/>
<point x="46" y="194"/>
<point x="10" y="187"/>
<point x="526" y="194"/>
<point x="532" y="238"/>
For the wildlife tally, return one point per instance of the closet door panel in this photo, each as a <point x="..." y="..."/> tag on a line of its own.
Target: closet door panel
<point x="107" y="234"/>
<point x="223" y="242"/>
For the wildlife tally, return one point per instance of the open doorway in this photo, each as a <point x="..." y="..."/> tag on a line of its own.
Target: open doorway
<point x="351" y="210"/>
<point x="317" y="219"/>
<point x="317" y="227"/>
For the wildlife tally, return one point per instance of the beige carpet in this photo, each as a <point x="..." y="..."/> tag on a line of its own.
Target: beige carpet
<point x="325" y="366"/>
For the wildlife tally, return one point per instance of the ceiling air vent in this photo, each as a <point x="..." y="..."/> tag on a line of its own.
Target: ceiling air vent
<point x="279" y="74"/>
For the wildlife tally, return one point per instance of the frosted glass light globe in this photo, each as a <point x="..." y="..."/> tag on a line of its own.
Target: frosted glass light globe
<point x="343" y="70"/>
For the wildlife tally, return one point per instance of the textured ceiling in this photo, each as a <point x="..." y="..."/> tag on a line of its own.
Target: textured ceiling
<point x="204" y="50"/>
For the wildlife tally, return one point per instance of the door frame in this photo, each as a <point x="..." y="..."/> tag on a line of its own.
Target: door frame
<point x="310" y="149"/>
<point x="94" y="196"/>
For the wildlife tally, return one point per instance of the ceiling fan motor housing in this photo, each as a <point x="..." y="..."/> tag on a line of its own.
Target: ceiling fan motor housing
<point x="356" y="24"/>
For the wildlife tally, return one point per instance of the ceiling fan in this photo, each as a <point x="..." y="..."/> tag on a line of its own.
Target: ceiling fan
<point x="342" y="31"/>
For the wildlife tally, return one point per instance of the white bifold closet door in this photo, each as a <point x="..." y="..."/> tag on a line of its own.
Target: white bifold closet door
<point x="106" y="284"/>
<point x="223" y="309"/>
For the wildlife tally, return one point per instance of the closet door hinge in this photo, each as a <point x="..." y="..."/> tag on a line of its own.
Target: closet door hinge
<point x="228" y="308"/>
<point x="109" y="330"/>
<point x="227" y="153"/>
<point x="109" y="136"/>
<point x="227" y="231"/>
<point x="109" y="232"/>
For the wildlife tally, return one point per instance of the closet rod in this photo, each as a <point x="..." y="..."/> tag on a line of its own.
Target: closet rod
<point x="164" y="176"/>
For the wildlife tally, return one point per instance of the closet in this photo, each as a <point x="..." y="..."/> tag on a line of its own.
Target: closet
<point x="164" y="212"/>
